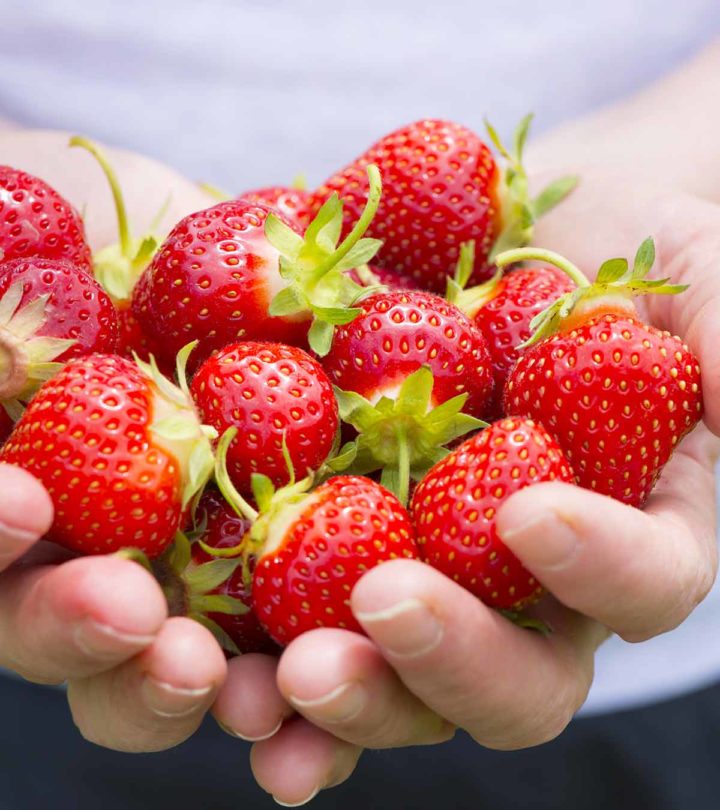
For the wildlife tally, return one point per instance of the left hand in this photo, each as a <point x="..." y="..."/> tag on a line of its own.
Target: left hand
<point x="436" y="658"/>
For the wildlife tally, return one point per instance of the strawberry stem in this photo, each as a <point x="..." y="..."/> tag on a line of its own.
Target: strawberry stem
<point x="403" y="464"/>
<point x="126" y="247"/>
<point x="225" y="485"/>
<point x="541" y="255"/>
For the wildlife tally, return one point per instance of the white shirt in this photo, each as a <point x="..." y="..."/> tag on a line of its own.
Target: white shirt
<point x="243" y="93"/>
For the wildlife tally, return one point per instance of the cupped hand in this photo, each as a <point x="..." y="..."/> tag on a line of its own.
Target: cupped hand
<point x="435" y="657"/>
<point x="137" y="680"/>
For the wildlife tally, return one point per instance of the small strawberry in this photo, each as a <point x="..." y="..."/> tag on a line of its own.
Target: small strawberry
<point x="120" y="450"/>
<point x="444" y="187"/>
<point x="454" y="508"/>
<point x="503" y="308"/>
<point x="617" y="393"/>
<point x="281" y="401"/>
<point x="404" y="369"/>
<point x="37" y="221"/>
<point x="119" y="266"/>
<point x="50" y="312"/>
<point x="237" y="271"/>
<point x="312" y="548"/>
<point x="294" y="204"/>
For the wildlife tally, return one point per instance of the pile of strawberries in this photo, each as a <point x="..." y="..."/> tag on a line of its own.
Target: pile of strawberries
<point x="296" y="386"/>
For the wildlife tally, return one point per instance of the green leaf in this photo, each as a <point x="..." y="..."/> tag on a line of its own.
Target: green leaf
<point x="611" y="270"/>
<point x="336" y="316"/>
<point x="218" y="603"/>
<point x="288" y="301"/>
<point x="390" y="479"/>
<point x="330" y="209"/>
<point x="415" y="393"/>
<point x="328" y="236"/>
<point x="495" y="138"/>
<point x="180" y="553"/>
<point x="320" y="337"/>
<point x="222" y="638"/>
<point x="175" y="428"/>
<point x="210" y="575"/>
<point x="263" y="490"/>
<point x="147" y="249"/>
<point x="520" y="137"/>
<point x="360" y="254"/>
<point x="553" y="194"/>
<point x="644" y="259"/>
<point x="282" y="237"/>
<point x="465" y="264"/>
<point x="344" y="458"/>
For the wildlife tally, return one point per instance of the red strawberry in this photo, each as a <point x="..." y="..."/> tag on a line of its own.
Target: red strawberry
<point x="224" y="529"/>
<point x="119" y="266"/>
<point x="120" y="450"/>
<point x="404" y="369"/>
<point x="294" y="204"/>
<point x="372" y="275"/>
<point x="454" y="508"/>
<point x="312" y="551"/>
<point x="269" y="392"/>
<point x="617" y="393"/>
<point x="50" y="310"/>
<point x="236" y="271"/>
<point x="443" y="187"/>
<point x="503" y="309"/>
<point x="36" y="221"/>
<point x="6" y="425"/>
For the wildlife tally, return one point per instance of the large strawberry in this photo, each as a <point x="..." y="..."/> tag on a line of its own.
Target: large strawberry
<point x="293" y="203"/>
<point x="37" y="221"/>
<point x="617" y="393"/>
<point x="443" y="187"/>
<point x="282" y="403"/>
<point x="119" y="266"/>
<point x="236" y="271"/>
<point x="312" y="548"/>
<point x="455" y="505"/>
<point x="503" y="308"/>
<point x="404" y="369"/>
<point x="50" y="312"/>
<point x="120" y="450"/>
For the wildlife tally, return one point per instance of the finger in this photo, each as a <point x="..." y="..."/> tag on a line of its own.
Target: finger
<point x="300" y="761"/>
<point x="25" y="513"/>
<point x="506" y="686"/>
<point x="639" y="573"/>
<point x="77" y="619"/>
<point x="250" y="705"/>
<point x="158" y="699"/>
<point x="339" y="681"/>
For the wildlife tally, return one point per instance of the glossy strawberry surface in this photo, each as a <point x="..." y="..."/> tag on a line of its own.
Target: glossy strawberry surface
<point x="345" y="527"/>
<point x="269" y="392"/>
<point x="440" y="188"/>
<point x="398" y="332"/>
<point x="212" y="280"/>
<point x="617" y="394"/>
<point x="454" y="508"/>
<point x="35" y="220"/>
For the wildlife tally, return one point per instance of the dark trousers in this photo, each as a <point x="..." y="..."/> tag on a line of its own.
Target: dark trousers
<point x="664" y="757"/>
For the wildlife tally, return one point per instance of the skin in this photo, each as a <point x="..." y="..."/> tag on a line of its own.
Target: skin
<point x="139" y="681"/>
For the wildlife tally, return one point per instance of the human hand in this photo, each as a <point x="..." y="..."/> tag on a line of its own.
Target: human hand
<point x="137" y="680"/>
<point x="435" y="657"/>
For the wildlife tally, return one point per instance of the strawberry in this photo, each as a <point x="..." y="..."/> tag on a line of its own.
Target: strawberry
<point x="454" y="508"/>
<point x="404" y="369"/>
<point x="503" y="308"/>
<point x="37" y="221"/>
<point x="374" y="276"/>
<point x="443" y="186"/>
<point x="617" y="393"/>
<point x="293" y="204"/>
<point x="237" y="271"/>
<point x="6" y="426"/>
<point x="50" y="312"/>
<point x="119" y="266"/>
<point x="312" y="548"/>
<point x="224" y="529"/>
<point x="281" y="401"/>
<point x="120" y="450"/>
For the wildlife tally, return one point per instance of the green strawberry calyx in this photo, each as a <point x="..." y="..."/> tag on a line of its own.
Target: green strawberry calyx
<point x="178" y="429"/>
<point x="519" y="210"/>
<point x="615" y="286"/>
<point x="117" y="267"/>
<point x="403" y="437"/>
<point x="472" y="299"/>
<point x="314" y="266"/>
<point x="26" y="358"/>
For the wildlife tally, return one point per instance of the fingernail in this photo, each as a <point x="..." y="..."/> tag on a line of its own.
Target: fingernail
<point x="298" y="804"/>
<point x="235" y="733"/>
<point x="100" y="640"/>
<point x="408" y="629"/>
<point x="544" y="541"/>
<point x="342" y="704"/>
<point x="167" y="700"/>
